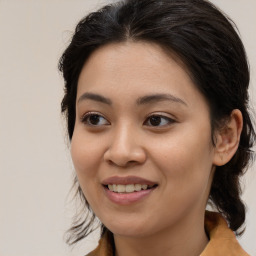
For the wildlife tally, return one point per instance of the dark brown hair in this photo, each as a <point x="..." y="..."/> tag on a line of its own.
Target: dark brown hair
<point x="206" y="41"/>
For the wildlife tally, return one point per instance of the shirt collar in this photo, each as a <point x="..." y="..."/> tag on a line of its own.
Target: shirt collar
<point x="222" y="239"/>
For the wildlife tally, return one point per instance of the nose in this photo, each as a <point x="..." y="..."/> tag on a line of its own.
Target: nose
<point x="124" y="148"/>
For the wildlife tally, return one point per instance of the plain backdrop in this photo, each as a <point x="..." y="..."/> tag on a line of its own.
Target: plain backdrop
<point x="35" y="166"/>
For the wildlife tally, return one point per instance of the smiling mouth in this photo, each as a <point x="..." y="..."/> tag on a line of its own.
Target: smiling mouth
<point x="129" y="188"/>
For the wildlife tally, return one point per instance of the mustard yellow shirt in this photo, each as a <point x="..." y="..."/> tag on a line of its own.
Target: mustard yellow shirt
<point x="222" y="242"/>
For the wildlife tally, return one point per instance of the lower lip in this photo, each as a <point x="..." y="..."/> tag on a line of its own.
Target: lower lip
<point x="127" y="198"/>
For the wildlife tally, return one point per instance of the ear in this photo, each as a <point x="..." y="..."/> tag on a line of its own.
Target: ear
<point x="228" y="138"/>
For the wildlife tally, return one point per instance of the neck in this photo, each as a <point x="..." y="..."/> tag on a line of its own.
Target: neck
<point x="184" y="239"/>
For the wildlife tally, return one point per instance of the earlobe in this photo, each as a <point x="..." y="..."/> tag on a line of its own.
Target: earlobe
<point x="228" y="138"/>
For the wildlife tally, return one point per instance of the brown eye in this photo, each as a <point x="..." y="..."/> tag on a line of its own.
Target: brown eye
<point x="94" y="120"/>
<point x="158" y="120"/>
<point x="155" y="120"/>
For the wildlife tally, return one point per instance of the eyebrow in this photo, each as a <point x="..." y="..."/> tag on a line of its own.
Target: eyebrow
<point x="159" y="97"/>
<point x="140" y="101"/>
<point x="95" y="97"/>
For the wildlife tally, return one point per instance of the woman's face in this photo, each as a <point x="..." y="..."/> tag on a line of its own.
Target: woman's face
<point x="142" y="128"/>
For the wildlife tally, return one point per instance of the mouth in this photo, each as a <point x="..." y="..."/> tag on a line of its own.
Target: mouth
<point x="129" y="188"/>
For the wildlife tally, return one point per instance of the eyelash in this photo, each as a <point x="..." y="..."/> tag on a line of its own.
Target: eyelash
<point x="168" y="120"/>
<point x="84" y="118"/>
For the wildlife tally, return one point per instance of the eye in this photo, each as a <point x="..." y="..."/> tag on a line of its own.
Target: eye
<point x="94" y="119"/>
<point x="158" y="120"/>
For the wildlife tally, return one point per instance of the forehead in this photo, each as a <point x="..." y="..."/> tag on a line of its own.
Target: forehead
<point x="135" y="68"/>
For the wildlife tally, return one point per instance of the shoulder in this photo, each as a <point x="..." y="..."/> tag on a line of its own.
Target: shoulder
<point x="105" y="247"/>
<point x="222" y="239"/>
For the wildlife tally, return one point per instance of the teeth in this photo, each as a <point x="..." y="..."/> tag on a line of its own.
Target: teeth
<point x="144" y="187"/>
<point x="127" y="188"/>
<point x="137" y="187"/>
<point x="121" y="188"/>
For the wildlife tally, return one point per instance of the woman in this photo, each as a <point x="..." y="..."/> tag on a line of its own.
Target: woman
<point x="156" y="103"/>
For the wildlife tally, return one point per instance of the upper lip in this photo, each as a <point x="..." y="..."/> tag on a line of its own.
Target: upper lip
<point x="127" y="180"/>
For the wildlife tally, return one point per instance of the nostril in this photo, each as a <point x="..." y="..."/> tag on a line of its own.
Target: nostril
<point x="122" y="164"/>
<point x="132" y="162"/>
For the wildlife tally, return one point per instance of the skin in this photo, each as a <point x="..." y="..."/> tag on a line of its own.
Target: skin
<point x="177" y="153"/>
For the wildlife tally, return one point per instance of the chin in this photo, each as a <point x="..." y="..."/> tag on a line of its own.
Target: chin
<point x="129" y="229"/>
<point x="129" y="233"/>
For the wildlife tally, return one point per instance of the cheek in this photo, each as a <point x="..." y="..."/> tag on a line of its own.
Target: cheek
<point x="185" y="160"/>
<point x="86" y="157"/>
<point x="85" y="153"/>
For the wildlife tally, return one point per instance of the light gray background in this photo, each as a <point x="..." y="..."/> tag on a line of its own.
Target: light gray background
<point x="35" y="166"/>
